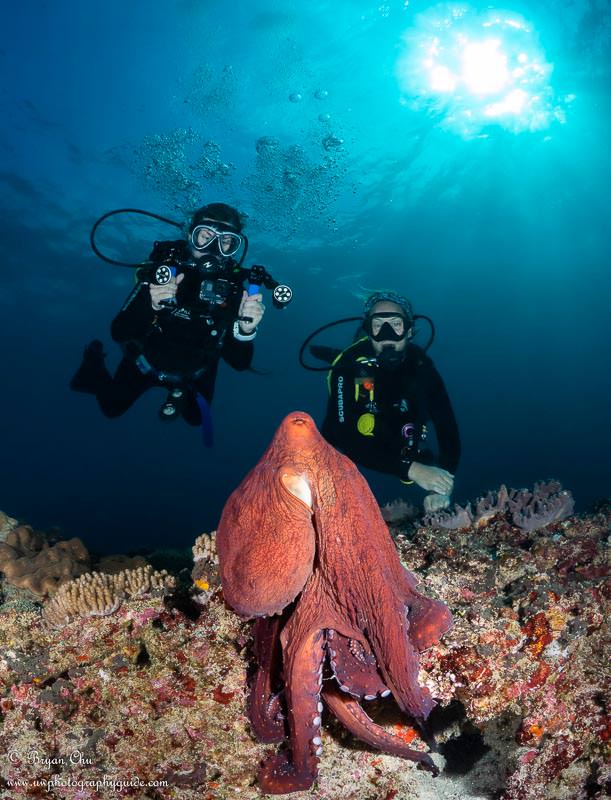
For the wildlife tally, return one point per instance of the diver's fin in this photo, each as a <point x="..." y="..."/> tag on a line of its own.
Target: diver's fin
<point x="92" y="374"/>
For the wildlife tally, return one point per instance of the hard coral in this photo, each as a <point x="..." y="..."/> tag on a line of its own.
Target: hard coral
<point x="6" y="525"/>
<point x="205" y="570"/>
<point x="204" y="548"/>
<point x="30" y="562"/>
<point x="98" y="595"/>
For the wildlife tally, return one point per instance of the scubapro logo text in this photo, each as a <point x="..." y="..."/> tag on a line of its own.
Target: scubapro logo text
<point x="340" y="398"/>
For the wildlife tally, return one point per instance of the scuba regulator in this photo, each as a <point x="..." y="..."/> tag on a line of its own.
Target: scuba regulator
<point x="329" y="354"/>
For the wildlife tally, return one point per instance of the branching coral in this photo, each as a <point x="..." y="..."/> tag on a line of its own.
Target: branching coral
<point x="98" y="595"/>
<point x="205" y="570"/>
<point x="204" y="548"/>
<point x="30" y="562"/>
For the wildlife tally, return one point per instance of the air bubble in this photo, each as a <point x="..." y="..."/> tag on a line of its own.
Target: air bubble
<point x="331" y="142"/>
<point x="266" y="144"/>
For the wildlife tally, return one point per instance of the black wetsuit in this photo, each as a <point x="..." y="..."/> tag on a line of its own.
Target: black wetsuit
<point x="175" y="346"/>
<point x="378" y="417"/>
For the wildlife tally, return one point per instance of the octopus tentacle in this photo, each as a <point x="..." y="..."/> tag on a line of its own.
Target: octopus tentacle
<point x="349" y="712"/>
<point x="303" y="676"/>
<point x="354" y="666"/>
<point x="428" y="620"/>
<point x="264" y="708"/>
<point x="398" y="659"/>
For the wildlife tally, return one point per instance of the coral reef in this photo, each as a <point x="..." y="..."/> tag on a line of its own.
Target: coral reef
<point x="528" y="655"/>
<point x="30" y="562"/>
<point x="547" y="503"/>
<point x="96" y="594"/>
<point x="149" y="702"/>
<point x="204" y="549"/>
<point x="6" y="525"/>
<point x="205" y="574"/>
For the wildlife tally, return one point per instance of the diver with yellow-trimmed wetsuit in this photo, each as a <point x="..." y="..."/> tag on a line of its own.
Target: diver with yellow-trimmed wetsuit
<point x="383" y="392"/>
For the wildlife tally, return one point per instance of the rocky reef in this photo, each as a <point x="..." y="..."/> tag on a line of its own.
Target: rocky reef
<point x="135" y="687"/>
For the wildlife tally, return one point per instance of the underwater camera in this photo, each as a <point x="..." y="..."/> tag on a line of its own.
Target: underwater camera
<point x="208" y="282"/>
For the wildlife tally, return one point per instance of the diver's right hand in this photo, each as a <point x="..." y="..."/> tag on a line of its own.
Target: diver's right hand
<point x="165" y="292"/>
<point x="431" y="479"/>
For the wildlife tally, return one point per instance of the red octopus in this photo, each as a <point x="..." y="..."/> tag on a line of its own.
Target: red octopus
<point x="303" y="547"/>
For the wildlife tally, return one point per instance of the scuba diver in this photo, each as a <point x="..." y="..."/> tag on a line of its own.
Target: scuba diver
<point x="188" y="310"/>
<point x="383" y="391"/>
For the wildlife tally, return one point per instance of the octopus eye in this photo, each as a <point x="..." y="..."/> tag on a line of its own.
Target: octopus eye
<point x="299" y="421"/>
<point x="298" y="486"/>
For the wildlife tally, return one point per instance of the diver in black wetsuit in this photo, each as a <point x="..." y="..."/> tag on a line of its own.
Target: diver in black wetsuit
<point x="383" y="392"/>
<point x="173" y="334"/>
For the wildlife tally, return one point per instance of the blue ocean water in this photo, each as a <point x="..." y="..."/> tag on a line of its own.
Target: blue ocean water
<point x="367" y="152"/>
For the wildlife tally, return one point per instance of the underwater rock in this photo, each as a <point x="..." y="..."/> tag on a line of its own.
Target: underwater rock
<point x="117" y="562"/>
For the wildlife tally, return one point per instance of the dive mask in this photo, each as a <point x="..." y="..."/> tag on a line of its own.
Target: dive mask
<point x="387" y="326"/>
<point x="204" y="237"/>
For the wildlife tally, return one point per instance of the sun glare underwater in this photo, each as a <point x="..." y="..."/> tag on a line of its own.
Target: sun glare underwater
<point x="477" y="68"/>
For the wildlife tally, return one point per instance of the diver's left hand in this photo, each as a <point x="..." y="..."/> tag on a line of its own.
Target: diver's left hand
<point x="436" y="502"/>
<point x="250" y="306"/>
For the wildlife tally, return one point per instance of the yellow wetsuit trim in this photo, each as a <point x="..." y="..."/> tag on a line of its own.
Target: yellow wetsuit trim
<point x="337" y="358"/>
